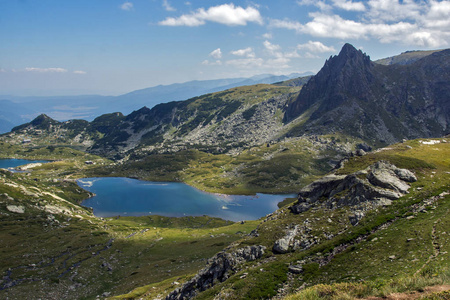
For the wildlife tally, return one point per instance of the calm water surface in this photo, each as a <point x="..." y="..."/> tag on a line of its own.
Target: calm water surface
<point x="132" y="197"/>
<point x="12" y="162"/>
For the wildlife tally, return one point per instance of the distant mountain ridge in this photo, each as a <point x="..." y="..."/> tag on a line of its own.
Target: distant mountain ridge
<point x="405" y="58"/>
<point x="88" y="107"/>
<point x="350" y="96"/>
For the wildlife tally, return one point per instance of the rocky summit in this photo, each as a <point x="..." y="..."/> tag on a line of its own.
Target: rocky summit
<point x="379" y="103"/>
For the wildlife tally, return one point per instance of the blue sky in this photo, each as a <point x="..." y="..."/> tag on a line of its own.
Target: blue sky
<point x="109" y="47"/>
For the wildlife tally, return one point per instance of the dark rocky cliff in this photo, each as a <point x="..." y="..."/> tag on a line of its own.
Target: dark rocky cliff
<point x="381" y="104"/>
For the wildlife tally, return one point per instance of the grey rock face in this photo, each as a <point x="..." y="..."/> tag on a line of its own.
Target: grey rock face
<point x="378" y="185"/>
<point x="384" y="175"/>
<point x="350" y="92"/>
<point x="356" y="217"/>
<point x="219" y="269"/>
<point x="282" y="245"/>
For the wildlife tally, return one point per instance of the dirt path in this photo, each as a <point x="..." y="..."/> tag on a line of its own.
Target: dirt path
<point x="436" y="248"/>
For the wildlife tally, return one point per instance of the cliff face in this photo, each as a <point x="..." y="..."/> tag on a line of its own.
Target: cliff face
<point x="378" y="103"/>
<point x="343" y="77"/>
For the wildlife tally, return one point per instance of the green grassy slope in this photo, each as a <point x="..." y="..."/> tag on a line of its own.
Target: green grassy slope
<point x="401" y="247"/>
<point x="53" y="248"/>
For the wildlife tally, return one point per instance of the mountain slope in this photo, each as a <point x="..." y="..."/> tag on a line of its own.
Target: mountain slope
<point x="345" y="233"/>
<point x="380" y="104"/>
<point x="405" y="58"/>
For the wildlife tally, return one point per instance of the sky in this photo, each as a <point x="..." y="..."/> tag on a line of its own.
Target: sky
<point x="111" y="47"/>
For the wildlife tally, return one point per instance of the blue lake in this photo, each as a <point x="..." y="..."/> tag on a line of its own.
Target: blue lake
<point x="132" y="197"/>
<point x="12" y="162"/>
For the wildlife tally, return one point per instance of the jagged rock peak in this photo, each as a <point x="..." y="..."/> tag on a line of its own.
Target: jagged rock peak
<point x="349" y="51"/>
<point x="42" y="119"/>
<point x="344" y="75"/>
<point x="349" y="56"/>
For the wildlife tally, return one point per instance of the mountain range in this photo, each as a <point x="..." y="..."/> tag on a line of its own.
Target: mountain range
<point x="17" y="110"/>
<point x="351" y="95"/>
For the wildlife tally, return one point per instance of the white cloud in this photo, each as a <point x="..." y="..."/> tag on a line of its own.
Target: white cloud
<point x="226" y="14"/>
<point x="267" y="36"/>
<point x="79" y="72"/>
<point x="272" y="48"/>
<point x="393" y="10"/>
<point x="334" y="26"/>
<point x="324" y="25"/>
<point x="217" y="54"/>
<point x="320" y="4"/>
<point x="410" y="22"/>
<point x="2" y="70"/>
<point x="349" y="5"/>
<point x="46" y="70"/>
<point x="247" y="52"/>
<point x="317" y="47"/>
<point x="167" y="6"/>
<point x="211" y="63"/>
<point x="286" y="24"/>
<point x="126" y="6"/>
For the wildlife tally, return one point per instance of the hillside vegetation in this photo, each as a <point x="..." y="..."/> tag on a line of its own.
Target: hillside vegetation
<point x="376" y="224"/>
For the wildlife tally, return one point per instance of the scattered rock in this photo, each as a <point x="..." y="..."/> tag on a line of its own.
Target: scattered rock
<point x="16" y="208"/>
<point x="296" y="269"/>
<point x="360" y="152"/>
<point x="285" y="243"/>
<point x="355" y="217"/>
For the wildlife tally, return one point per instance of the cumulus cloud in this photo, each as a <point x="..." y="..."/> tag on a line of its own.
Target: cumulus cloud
<point x="267" y="36"/>
<point x="46" y="70"/>
<point x="272" y="48"/>
<point x="226" y="14"/>
<point x="410" y="22"/>
<point x="126" y="6"/>
<point x="320" y="4"/>
<point x="211" y="63"/>
<point x="79" y="72"/>
<point x="316" y="46"/>
<point x="167" y="6"/>
<point x="247" y="52"/>
<point x="217" y="54"/>
<point x="349" y="5"/>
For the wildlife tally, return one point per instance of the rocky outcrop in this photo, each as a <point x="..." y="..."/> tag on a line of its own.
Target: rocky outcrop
<point x="288" y="241"/>
<point x="219" y="269"/>
<point x="377" y="185"/>
<point x="297" y="237"/>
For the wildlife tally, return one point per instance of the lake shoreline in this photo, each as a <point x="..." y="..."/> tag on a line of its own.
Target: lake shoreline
<point x="133" y="197"/>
